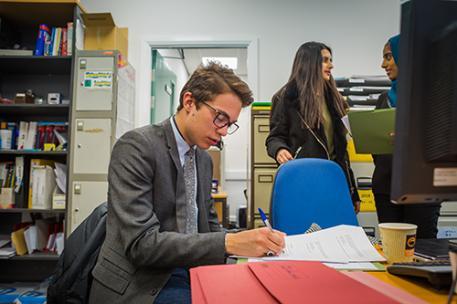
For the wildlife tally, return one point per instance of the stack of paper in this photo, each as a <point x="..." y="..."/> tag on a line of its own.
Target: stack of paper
<point x="339" y="244"/>
<point x="35" y="236"/>
<point x="6" y="250"/>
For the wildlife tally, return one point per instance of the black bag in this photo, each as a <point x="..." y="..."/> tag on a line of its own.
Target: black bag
<point x="72" y="278"/>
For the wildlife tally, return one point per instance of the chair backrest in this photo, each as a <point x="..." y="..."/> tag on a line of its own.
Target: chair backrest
<point x="307" y="191"/>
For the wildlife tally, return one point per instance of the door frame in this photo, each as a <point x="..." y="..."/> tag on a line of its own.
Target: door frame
<point x="143" y="99"/>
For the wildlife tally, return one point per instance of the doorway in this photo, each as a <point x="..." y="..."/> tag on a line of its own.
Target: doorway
<point x="172" y="67"/>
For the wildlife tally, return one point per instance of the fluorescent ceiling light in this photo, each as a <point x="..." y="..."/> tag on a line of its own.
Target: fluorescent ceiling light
<point x="231" y="62"/>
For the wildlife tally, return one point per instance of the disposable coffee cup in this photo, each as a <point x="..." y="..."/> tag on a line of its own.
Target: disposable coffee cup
<point x="398" y="241"/>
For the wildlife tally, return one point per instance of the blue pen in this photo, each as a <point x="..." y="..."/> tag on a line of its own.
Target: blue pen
<point x="265" y="219"/>
<point x="267" y="224"/>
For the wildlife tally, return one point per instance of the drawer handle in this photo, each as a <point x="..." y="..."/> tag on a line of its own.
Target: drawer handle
<point x="265" y="178"/>
<point x="263" y="128"/>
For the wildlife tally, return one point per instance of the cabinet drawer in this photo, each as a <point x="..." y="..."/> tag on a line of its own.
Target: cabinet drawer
<point x="92" y="146"/>
<point x="85" y="197"/>
<point x="94" y="91"/>
<point x="261" y="129"/>
<point x="263" y="184"/>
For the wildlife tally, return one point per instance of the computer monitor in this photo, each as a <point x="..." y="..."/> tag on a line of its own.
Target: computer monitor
<point x="425" y="150"/>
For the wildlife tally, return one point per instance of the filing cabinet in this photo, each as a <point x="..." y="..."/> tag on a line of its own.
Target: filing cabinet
<point x="263" y="168"/>
<point x="93" y="128"/>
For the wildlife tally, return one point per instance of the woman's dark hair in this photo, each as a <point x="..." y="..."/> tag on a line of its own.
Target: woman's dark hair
<point x="306" y="78"/>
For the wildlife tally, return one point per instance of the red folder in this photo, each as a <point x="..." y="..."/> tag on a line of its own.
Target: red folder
<point x="279" y="282"/>
<point x="313" y="282"/>
<point x="227" y="284"/>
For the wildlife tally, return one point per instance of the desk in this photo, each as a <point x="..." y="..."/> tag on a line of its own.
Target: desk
<point x="420" y="290"/>
<point x="220" y="204"/>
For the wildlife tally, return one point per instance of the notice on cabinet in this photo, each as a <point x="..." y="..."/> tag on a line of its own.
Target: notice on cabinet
<point x="98" y="79"/>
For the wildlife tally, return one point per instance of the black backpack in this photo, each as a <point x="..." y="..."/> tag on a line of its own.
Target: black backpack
<point x="72" y="278"/>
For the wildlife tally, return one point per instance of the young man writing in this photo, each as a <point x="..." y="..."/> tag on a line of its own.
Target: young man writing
<point x="161" y="219"/>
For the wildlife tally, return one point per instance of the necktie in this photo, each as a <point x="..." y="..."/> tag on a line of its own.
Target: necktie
<point x="190" y="185"/>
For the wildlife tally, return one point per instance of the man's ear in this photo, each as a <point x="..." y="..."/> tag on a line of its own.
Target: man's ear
<point x="188" y="101"/>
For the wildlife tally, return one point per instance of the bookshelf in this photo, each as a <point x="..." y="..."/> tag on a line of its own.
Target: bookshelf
<point x="43" y="75"/>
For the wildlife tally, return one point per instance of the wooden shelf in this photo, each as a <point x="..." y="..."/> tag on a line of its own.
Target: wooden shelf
<point x="28" y="14"/>
<point x="34" y="112"/>
<point x="37" y="256"/>
<point x="27" y="210"/>
<point x="33" y="153"/>
<point x="35" y="64"/>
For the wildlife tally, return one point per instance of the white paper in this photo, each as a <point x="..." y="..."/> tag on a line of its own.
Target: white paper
<point x="60" y="240"/>
<point x="366" y="266"/>
<point x="61" y="176"/>
<point x="339" y="244"/>
<point x="345" y="120"/>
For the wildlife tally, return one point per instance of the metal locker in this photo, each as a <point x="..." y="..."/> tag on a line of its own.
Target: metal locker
<point x="92" y="145"/>
<point x="86" y="195"/>
<point x="96" y="80"/>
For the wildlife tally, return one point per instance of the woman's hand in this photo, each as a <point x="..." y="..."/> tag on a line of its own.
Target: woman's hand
<point x="357" y="207"/>
<point x="283" y="156"/>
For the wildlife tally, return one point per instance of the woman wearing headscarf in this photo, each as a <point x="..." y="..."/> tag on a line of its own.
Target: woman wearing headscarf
<point x="306" y="114"/>
<point x="425" y="216"/>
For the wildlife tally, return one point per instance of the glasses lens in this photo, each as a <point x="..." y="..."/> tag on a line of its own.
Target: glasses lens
<point x="232" y="128"/>
<point x="221" y="120"/>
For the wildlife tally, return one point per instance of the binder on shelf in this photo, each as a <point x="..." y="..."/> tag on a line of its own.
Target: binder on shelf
<point x="18" y="240"/>
<point x="42" y="182"/>
<point x="7" y="198"/>
<point x="7" y="184"/>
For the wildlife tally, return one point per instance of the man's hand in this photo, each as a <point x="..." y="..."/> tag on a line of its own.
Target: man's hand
<point x="255" y="243"/>
<point x="283" y="156"/>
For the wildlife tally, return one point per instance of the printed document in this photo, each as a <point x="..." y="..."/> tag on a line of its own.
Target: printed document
<point x="339" y="244"/>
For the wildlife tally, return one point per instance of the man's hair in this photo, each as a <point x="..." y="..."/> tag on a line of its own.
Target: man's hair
<point x="214" y="79"/>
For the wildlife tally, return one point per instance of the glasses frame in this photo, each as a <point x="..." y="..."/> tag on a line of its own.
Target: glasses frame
<point x="231" y="127"/>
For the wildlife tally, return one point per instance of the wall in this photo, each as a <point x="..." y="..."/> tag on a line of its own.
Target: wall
<point x="177" y="66"/>
<point x="355" y="29"/>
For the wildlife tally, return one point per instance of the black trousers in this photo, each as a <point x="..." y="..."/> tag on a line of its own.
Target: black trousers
<point x="425" y="216"/>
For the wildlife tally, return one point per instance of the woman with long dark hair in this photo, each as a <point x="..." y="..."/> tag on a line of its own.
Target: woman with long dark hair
<point x="306" y="114"/>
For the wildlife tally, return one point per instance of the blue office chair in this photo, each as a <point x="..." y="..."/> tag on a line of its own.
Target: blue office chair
<point x="307" y="191"/>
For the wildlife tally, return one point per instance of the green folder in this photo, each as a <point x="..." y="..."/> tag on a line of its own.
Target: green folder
<point x="372" y="130"/>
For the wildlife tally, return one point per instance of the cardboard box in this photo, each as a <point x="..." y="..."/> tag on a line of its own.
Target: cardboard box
<point x="101" y="33"/>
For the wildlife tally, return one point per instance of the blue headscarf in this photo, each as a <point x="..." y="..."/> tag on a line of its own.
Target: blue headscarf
<point x="394" y="47"/>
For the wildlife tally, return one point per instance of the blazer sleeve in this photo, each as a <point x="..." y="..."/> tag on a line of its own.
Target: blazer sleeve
<point x="279" y="127"/>
<point x="132" y="202"/>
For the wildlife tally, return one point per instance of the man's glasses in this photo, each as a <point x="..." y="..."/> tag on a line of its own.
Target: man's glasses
<point x="222" y="120"/>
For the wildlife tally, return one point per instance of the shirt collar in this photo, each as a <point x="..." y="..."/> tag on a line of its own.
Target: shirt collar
<point x="182" y="145"/>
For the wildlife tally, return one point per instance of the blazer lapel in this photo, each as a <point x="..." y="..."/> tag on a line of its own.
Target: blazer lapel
<point x="202" y="212"/>
<point x="181" y="210"/>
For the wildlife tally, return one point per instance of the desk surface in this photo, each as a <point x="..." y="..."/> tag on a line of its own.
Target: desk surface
<point x="420" y="290"/>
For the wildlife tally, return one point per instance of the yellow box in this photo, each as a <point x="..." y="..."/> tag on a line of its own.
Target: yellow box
<point x="367" y="200"/>
<point x="355" y="157"/>
<point x="102" y="34"/>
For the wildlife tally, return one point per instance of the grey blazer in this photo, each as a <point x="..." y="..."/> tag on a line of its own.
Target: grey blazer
<point x="146" y="221"/>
